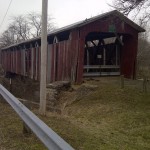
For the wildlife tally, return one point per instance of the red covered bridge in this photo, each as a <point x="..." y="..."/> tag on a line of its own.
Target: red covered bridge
<point x="102" y="45"/>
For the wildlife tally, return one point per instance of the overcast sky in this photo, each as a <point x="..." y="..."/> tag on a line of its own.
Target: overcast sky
<point x="65" y="12"/>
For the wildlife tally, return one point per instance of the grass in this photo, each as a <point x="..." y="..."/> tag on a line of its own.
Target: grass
<point x="11" y="132"/>
<point x="107" y="118"/>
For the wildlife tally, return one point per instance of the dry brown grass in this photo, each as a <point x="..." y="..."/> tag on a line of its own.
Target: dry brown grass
<point x="107" y="118"/>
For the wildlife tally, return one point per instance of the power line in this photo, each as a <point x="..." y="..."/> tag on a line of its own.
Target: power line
<point x="5" y="14"/>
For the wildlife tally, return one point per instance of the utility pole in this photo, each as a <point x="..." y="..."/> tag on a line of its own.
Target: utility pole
<point x="42" y="109"/>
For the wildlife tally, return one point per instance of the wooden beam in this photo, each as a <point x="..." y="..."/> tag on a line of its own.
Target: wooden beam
<point x="94" y="44"/>
<point x="118" y="38"/>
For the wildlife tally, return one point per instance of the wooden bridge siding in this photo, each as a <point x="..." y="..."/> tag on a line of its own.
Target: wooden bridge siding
<point x="34" y="63"/>
<point x="57" y="70"/>
<point x="48" y="76"/>
<point x="129" y="49"/>
<point x="4" y="59"/>
<point x="68" y="59"/>
<point x="74" y="59"/>
<point x="16" y="58"/>
<point x="16" y="61"/>
<point x="70" y="54"/>
<point x="80" y="61"/>
<point x="65" y="66"/>
<point x="52" y="63"/>
<point x="32" y="60"/>
<point x="39" y="63"/>
<point x="7" y="64"/>
<point x="103" y="26"/>
<point x="19" y="61"/>
<point x="33" y="73"/>
<point x="60" y="61"/>
<point x="128" y="57"/>
<point x="22" y="62"/>
<point x="13" y="61"/>
<point x="11" y="64"/>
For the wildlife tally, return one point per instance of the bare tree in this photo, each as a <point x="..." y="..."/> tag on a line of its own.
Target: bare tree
<point x="17" y="31"/>
<point x="143" y="61"/>
<point x="25" y="27"/>
<point x="50" y="24"/>
<point x="8" y="37"/>
<point x="140" y="9"/>
<point x="21" y="28"/>
<point x="143" y="48"/>
<point x="126" y="6"/>
<point x="36" y="24"/>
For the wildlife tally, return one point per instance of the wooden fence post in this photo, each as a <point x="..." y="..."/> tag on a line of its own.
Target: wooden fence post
<point x="144" y="84"/>
<point x="122" y="81"/>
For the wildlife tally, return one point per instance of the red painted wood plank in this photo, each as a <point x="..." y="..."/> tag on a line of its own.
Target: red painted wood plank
<point x="80" y="61"/>
<point x="52" y="63"/>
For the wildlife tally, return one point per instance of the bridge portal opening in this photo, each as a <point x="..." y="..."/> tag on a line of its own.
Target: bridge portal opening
<point x="102" y="54"/>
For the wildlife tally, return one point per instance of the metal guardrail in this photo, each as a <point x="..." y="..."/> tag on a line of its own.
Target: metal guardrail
<point x="50" y="139"/>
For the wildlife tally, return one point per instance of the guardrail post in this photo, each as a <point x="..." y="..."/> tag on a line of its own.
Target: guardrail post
<point x="26" y="129"/>
<point x="10" y="85"/>
<point x="47" y="136"/>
